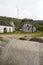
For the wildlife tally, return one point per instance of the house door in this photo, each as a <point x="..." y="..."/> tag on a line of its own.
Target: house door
<point x="9" y="29"/>
<point x="5" y="30"/>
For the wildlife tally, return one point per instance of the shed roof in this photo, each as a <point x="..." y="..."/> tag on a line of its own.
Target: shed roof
<point x="4" y="23"/>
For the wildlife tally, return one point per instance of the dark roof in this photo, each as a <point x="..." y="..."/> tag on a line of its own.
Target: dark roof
<point x="3" y="23"/>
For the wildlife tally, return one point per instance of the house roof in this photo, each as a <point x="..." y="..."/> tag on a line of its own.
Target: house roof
<point x="3" y="23"/>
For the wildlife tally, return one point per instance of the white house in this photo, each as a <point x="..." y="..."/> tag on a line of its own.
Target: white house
<point x="6" y="27"/>
<point x="28" y="27"/>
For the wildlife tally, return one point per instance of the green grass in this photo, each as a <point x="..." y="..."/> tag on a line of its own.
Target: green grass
<point x="36" y="34"/>
<point x="17" y="32"/>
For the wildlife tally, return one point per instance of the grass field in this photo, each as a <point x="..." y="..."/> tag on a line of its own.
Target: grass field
<point x="21" y="34"/>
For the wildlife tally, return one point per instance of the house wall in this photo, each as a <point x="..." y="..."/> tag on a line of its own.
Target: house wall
<point x="28" y="28"/>
<point x="12" y="25"/>
<point x="34" y="29"/>
<point x="9" y="29"/>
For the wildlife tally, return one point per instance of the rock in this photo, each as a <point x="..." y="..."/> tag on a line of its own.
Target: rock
<point x="21" y="52"/>
<point x="37" y="39"/>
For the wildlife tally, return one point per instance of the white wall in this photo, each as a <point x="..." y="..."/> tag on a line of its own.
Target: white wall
<point x="7" y="27"/>
<point x="34" y="29"/>
<point x="12" y="25"/>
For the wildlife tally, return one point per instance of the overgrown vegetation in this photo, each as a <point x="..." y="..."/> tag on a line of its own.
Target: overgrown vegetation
<point x="39" y="27"/>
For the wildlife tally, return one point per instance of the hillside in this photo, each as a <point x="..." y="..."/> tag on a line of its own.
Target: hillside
<point x="39" y="21"/>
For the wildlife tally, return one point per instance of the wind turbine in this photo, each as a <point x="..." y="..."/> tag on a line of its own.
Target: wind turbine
<point x="17" y="12"/>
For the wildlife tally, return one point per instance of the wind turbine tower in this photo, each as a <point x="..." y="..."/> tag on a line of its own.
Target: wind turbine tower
<point x="17" y="12"/>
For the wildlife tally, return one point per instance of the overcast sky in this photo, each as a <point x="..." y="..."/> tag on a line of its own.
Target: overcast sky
<point x="26" y="8"/>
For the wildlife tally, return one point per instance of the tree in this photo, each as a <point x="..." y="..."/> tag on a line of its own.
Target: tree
<point x="26" y="20"/>
<point x="39" y="27"/>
